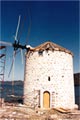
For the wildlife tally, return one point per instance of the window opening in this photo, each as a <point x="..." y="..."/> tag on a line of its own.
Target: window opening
<point x="48" y="78"/>
<point x="40" y="52"/>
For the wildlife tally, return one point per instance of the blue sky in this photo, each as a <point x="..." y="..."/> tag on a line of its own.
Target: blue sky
<point x="57" y="21"/>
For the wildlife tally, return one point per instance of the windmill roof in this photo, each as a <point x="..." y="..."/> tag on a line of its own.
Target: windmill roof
<point x="51" y="46"/>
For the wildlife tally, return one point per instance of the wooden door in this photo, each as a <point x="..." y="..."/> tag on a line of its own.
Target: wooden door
<point x="46" y="99"/>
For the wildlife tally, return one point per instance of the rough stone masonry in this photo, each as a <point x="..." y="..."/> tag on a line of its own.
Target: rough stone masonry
<point x="49" y="79"/>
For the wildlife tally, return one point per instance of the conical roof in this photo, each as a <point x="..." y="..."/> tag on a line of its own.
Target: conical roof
<point x="50" y="46"/>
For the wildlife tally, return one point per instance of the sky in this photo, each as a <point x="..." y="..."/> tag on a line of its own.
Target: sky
<point x="57" y="21"/>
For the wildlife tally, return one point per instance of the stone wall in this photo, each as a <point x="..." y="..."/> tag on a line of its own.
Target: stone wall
<point x="50" y="71"/>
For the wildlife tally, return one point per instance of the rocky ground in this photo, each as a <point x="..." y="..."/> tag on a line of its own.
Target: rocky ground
<point x="11" y="111"/>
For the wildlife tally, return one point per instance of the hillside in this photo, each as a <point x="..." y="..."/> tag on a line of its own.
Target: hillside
<point x="16" y="82"/>
<point x="77" y="79"/>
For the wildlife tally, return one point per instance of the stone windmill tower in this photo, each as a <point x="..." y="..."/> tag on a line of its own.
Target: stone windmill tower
<point x="49" y="77"/>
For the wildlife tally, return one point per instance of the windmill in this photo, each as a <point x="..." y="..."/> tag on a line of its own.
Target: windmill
<point x="17" y="47"/>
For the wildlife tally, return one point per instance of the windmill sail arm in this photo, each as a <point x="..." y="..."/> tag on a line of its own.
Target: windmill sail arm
<point x="5" y="43"/>
<point x="17" y="28"/>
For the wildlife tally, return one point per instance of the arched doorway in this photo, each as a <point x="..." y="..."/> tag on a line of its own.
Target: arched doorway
<point x="46" y="99"/>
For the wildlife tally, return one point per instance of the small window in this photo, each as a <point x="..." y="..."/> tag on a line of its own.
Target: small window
<point x="40" y="52"/>
<point x="47" y="49"/>
<point x="48" y="78"/>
